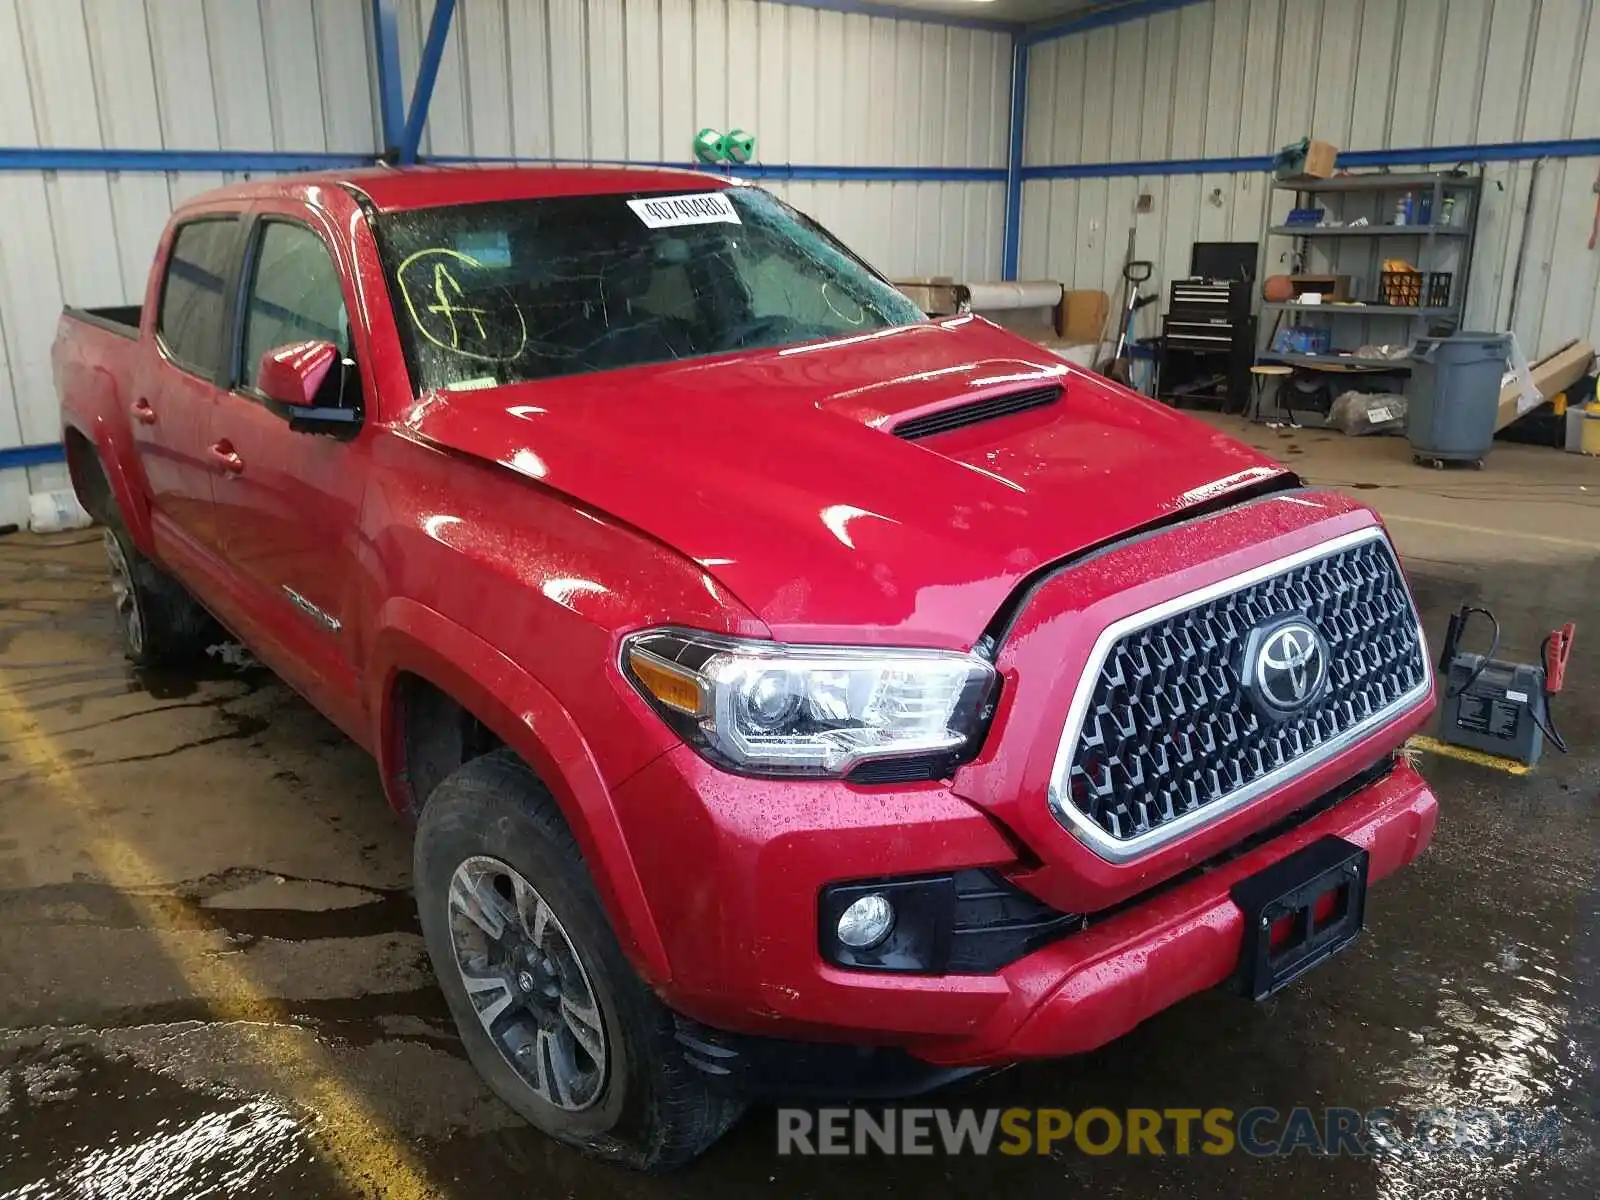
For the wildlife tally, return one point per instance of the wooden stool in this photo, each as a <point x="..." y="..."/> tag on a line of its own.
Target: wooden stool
<point x="1261" y="373"/>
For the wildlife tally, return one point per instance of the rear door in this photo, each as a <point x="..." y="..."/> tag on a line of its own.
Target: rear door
<point x="176" y="390"/>
<point x="288" y="504"/>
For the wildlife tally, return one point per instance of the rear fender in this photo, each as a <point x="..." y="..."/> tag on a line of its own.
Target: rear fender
<point x="523" y="714"/>
<point x="114" y="449"/>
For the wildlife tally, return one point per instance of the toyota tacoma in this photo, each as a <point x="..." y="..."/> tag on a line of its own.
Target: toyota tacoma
<point x="793" y="695"/>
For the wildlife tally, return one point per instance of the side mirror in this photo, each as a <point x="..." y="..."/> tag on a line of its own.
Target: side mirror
<point x="292" y="375"/>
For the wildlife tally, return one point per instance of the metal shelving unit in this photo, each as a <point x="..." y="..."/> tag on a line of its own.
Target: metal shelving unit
<point x="1338" y="362"/>
<point x="1389" y="231"/>
<point x="1432" y="244"/>
<point x="1358" y="310"/>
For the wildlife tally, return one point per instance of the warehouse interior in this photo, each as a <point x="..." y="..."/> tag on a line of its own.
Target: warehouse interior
<point x="214" y="979"/>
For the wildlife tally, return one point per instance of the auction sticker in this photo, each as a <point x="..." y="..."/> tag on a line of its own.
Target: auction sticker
<point x="701" y="208"/>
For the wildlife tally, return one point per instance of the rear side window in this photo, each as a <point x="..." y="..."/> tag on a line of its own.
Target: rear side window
<point x="190" y="320"/>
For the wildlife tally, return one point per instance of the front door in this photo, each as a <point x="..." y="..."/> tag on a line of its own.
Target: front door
<point x="289" y="503"/>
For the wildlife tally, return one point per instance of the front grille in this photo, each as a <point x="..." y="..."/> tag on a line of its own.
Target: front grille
<point x="1168" y="730"/>
<point x="987" y="409"/>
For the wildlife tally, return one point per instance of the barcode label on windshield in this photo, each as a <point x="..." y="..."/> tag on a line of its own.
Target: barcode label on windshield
<point x="704" y="208"/>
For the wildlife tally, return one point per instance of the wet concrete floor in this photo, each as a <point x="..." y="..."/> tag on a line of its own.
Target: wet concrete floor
<point x="211" y="980"/>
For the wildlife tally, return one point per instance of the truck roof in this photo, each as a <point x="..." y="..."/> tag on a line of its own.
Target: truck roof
<point x="395" y="188"/>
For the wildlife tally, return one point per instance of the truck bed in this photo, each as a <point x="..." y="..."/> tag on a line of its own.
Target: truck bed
<point x="121" y="319"/>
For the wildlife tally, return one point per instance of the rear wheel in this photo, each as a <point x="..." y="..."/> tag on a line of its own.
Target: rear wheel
<point x="157" y="620"/>
<point x="551" y="1013"/>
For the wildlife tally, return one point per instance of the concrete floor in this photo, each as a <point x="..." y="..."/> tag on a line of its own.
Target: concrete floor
<point x="211" y="980"/>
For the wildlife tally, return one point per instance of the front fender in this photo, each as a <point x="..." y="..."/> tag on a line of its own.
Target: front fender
<point x="526" y="716"/>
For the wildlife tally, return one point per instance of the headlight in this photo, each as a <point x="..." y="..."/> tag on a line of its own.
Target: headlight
<point x="761" y="708"/>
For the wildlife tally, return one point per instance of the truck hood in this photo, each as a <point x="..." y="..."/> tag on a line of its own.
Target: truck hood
<point x="778" y="472"/>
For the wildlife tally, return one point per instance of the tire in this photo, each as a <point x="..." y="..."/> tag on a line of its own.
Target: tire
<point x="612" y="1082"/>
<point x="158" y="622"/>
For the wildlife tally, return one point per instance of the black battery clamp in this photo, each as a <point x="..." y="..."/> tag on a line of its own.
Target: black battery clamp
<point x="1501" y="708"/>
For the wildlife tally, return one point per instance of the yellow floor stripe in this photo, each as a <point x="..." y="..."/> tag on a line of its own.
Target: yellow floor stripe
<point x="1515" y="534"/>
<point x="357" y="1143"/>
<point x="1433" y="746"/>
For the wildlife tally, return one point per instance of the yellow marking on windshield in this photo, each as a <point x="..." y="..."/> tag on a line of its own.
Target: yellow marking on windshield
<point x="443" y="281"/>
<point x="446" y="290"/>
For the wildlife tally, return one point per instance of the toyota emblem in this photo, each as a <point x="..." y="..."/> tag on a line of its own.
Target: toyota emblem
<point x="1288" y="666"/>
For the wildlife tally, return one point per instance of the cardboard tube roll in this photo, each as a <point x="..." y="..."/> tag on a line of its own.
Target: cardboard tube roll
<point x="1035" y="294"/>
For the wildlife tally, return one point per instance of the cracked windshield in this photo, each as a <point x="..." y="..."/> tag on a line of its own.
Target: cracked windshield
<point x="489" y="294"/>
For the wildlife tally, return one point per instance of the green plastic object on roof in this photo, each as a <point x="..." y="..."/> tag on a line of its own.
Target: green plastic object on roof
<point x="708" y="146"/>
<point x="724" y="148"/>
<point x="740" y="147"/>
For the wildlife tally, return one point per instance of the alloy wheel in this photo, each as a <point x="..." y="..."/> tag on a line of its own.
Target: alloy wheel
<point x="123" y="595"/>
<point x="526" y="983"/>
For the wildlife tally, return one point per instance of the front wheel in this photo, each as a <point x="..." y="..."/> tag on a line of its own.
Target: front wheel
<point x="550" y="1011"/>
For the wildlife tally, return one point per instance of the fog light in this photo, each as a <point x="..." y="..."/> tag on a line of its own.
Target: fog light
<point x="866" y="922"/>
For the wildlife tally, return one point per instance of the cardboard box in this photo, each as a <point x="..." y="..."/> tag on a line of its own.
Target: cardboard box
<point x="1552" y="374"/>
<point x="1082" y="316"/>
<point x="935" y="295"/>
<point x="1335" y="288"/>
<point x="1320" y="159"/>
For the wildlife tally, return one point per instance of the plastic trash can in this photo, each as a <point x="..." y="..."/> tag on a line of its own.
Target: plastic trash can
<point x="1454" y="395"/>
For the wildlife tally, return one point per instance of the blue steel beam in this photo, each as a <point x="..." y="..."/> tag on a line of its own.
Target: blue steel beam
<point x="1404" y="156"/>
<point x="796" y="171"/>
<point x="32" y="158"/>
<point x="427" y="76"/>
<point x="1165" y="166"/>
<point x="1483" y="152"/>
<point x="1011" y="241"/>
<point x="391" y="90"/>
<point x="1098" y="18"/>
<point x="923" y="16"/>
<point x="32" y="456"/>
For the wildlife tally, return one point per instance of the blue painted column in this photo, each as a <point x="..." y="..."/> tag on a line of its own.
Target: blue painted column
<point x="427" y="76"/>
<point x="1019" y="111"/>
<point x="391" y="94"/>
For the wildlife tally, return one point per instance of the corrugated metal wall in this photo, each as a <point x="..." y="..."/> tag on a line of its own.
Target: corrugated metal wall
<point x="635" y="80"/>
<point x="1243" y="77"/>
<point x="605" y="79"/>
<point x="143" y="75"/>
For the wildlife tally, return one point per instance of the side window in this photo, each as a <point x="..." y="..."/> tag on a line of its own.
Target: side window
<point x="294" y="296"/>
<point x="190" y="319"/>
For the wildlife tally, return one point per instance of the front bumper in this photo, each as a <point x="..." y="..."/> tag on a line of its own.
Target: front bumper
<point x="1094" y="987"/>
<point x="735" y="895"/>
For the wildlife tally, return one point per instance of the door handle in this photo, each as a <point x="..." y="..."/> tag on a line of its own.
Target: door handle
<point x="227" y="458"/>
<point x="143" y="413"/>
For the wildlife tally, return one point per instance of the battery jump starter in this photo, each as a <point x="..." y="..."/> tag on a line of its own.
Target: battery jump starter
<point x="1501" y="708"/>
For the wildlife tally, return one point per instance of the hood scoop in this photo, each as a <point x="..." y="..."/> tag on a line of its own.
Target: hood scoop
<point x="987" y="409"/>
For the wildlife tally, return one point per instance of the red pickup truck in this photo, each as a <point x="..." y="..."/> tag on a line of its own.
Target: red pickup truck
<point x="793" y="695"/>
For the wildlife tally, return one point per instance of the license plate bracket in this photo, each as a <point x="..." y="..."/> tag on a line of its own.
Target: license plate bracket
<point x="1288" y="895"/>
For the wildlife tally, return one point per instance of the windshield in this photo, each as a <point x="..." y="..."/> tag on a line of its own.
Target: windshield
<point x="488" y="294"/>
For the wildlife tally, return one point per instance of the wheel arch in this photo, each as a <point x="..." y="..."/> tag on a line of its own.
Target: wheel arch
<point x="414" y="646"/>
<point x="95" y="468"/>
